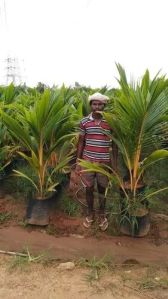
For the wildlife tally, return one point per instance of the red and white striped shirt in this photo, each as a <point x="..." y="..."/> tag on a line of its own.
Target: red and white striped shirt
<point x="97" y="139"/>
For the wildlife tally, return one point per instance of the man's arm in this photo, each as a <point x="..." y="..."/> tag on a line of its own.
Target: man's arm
<point x="114" y="155"/>
<point x="80" y="148"/>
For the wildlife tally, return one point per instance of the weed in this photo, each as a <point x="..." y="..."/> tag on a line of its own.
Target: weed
<point x="18" y="186"/>
<point x="96" y="263"/>
<point x="22" y="223"/>
<point x="157" y="178"/>
<point x="153" y="280"/>
<point x="96" y="266"/>
<point x="18" y="262"/>
<point x="68" y="205"/>
<point x="51" y="230"/>
<point x="5" y="217"/>
<point x="21" y="262"/>
<point x="163" y="283"/>
<point x="113" y="211"/>
<point x="92" y="276"/>
<point x="150" y="283"/>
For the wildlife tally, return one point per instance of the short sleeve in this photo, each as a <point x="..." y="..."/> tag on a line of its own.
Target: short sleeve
<point x="81" y="129"/>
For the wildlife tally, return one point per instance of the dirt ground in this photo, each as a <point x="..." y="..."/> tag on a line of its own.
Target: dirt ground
<point x="46" y="281"/>
<point x="136" y="267"/>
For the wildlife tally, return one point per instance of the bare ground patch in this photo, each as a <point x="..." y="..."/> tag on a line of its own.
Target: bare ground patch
<point x="41" y="280"/>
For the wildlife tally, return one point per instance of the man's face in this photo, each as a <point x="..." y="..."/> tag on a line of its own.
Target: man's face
<point x="97" y="106"/>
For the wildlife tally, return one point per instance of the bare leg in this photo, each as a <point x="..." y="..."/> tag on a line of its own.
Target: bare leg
<point x="102" y="199"/>
<point x="103" y="222"/>
<point x="90" y="200"/>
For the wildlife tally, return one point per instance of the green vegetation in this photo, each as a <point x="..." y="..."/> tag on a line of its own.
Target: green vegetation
<point x="43" y="131"/>
<point x="19" y="186"/>
<point x="40" y="126"/>
<point x="153" y="280"/>
<point x="68" y="205"/>
<point x="96" y="266"/>
<point x="22" y="260"/>
<point x="5" y="217"/>
<point x="139" y="123"/>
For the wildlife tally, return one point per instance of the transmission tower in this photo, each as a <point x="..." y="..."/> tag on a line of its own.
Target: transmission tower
<point x="13" y="68"/>
<point x="13" y="72"/>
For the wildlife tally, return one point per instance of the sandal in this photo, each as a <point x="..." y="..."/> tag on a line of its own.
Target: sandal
<point x="88" y="222"/>
<point x="103" y="224"/>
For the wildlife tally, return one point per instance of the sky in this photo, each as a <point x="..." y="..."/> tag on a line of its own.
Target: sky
<point x="68" y="41"/>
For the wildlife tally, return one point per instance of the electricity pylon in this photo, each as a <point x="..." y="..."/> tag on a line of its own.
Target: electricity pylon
<point x="13" y="68"/>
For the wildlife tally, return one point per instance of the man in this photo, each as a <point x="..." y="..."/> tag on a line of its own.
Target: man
<point x="94" y="146"/>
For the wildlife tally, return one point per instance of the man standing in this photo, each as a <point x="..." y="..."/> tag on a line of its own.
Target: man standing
<point x="94" y="146"/>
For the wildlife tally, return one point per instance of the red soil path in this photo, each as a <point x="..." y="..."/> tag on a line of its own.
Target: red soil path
<point x="73" y="247"/>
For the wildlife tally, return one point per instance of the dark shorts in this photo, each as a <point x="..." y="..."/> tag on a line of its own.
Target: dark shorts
<point x="89" y="178"/>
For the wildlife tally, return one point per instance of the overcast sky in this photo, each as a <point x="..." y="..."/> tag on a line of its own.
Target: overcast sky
<point x="60" y="41"/>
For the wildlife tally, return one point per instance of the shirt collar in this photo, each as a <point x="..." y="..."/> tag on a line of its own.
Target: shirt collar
<point x="91" y="117"/>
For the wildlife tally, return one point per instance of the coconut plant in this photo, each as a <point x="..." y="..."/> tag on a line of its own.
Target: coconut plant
<point x="8" y="95"/>
<point x="43" y="131"/>
<point x="137" y="121"/>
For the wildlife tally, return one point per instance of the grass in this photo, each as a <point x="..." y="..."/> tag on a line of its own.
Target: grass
<point x="113" y="211"/>
<point x="143" y="279"/>
<point x="18" y="186"/>
<point x="96" y="266"/>
<point x="5" y="217"/>
<point x="95" y="263"/>
<point x="52" y="230"/>
<point x="156" y="178"/>
<point x="18" y="262"/>
<point x="153" y="279"/>
<point x="22" y="223"/>
<point x="153" y="283"/>
<point x="22" y="262"/>
<point x="68" y="205"/>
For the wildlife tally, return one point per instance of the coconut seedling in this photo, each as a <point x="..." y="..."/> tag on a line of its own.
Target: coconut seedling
<point x="137" y="121"/>
<point x="44" y="130"/>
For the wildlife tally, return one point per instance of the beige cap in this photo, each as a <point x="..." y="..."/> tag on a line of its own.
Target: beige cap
<point x="98" y="97"/>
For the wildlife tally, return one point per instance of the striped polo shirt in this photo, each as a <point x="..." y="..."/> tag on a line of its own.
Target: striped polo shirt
<point x="97" y="139"/>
